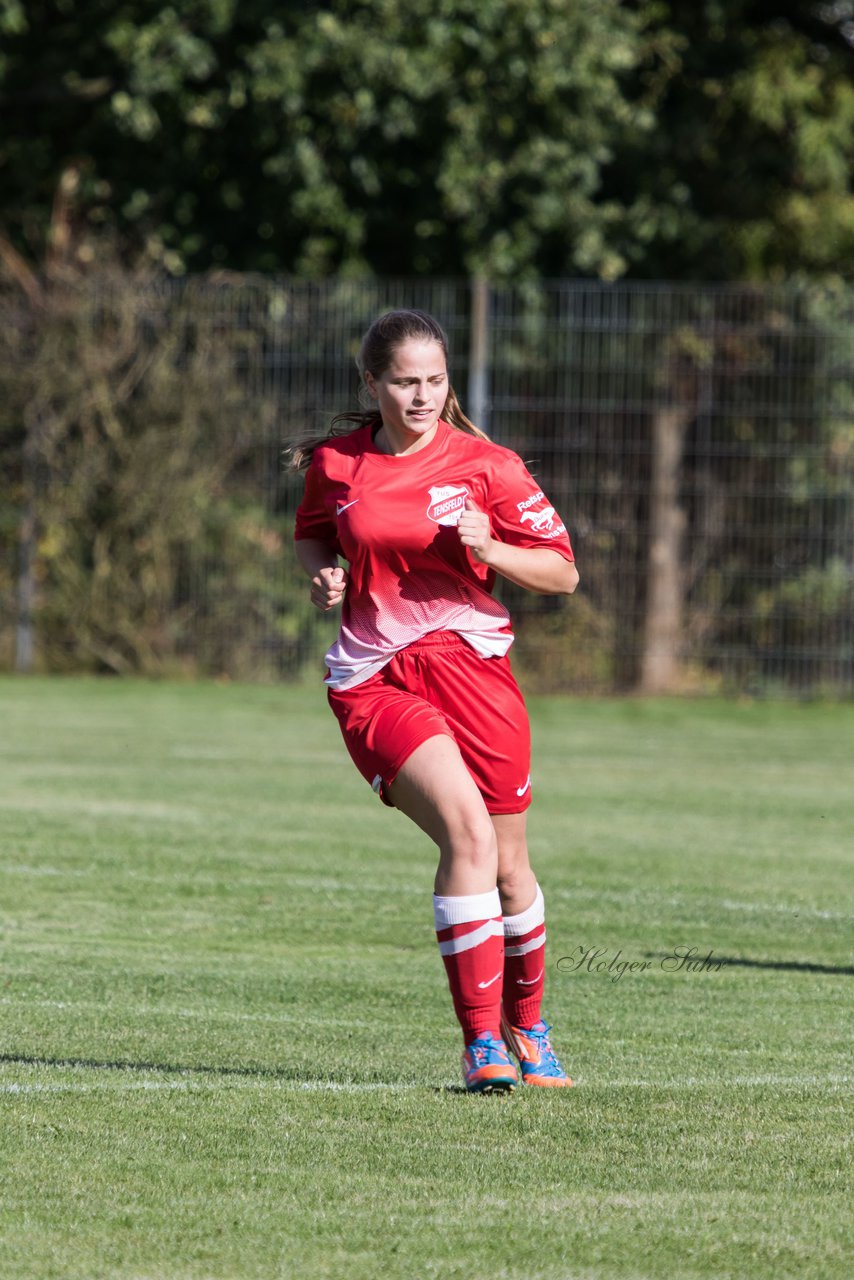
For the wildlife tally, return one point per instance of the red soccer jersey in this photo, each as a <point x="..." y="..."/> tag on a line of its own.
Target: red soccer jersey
<point x="393" y="519"/>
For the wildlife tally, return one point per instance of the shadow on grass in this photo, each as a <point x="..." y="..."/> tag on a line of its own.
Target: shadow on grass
<point x="172" y="1068"/>
<point x="166" y="1068"/>
<point x="222" y="1072"/>
<point x="791" y="966"/>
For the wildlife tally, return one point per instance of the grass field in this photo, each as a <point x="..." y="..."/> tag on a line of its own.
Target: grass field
<point x="227" y="1045"/>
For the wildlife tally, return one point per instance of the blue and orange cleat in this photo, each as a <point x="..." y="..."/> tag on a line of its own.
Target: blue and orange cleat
<point x="487" y="1067"/>
<point x="537" y="1060"/>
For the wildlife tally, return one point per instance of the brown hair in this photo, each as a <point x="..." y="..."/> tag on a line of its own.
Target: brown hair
<point x="376" y="353"/>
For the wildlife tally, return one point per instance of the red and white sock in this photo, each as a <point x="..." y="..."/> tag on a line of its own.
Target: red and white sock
<point x="525" y="964"/>
<point x="470" y="933"/>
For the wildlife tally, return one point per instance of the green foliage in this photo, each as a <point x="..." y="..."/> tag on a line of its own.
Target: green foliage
<point x="385" y="135"/>
<point x="132" y="424"/>
<point x="511" y="137"/>
<point x="123" y="412"/>
<point x="748" y="172"/>
<point x="562" y="644"/>
<point x="761" y="380"/>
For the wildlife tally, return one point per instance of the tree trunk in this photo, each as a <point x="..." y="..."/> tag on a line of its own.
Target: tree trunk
<point x="24" y="640"/>
<point x="660" y="666"/>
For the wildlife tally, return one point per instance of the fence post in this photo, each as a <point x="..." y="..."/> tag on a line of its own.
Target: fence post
<point x="478" y="390"/>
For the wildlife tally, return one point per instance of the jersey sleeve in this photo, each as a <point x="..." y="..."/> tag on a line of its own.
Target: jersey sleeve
<point x="314" y="518"/>
<point x="520" y="512"/>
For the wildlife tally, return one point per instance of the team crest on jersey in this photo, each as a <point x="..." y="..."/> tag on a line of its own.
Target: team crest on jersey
<point x="447" y="502"/>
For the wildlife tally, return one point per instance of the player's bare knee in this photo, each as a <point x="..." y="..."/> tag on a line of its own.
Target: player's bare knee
<point x="473" y="841"/>
<point x="510" y="879"/>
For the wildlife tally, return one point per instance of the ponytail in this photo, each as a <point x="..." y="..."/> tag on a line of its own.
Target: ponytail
<point x="453" y="414"/>
<point x="376" y="353"/>
<point x="299" y="454"/>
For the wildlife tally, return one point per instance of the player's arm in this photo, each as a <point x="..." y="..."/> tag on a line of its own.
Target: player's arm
<point x="537" y="569"/>
<point x="328" y="579"/>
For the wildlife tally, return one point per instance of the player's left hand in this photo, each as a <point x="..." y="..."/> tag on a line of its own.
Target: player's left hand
<point x="473" y="528"/>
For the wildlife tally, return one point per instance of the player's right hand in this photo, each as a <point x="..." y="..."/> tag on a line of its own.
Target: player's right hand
<point x="327" y="589"/>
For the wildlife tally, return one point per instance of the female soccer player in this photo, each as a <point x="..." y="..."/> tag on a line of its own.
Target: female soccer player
<point x="426" y="510"/>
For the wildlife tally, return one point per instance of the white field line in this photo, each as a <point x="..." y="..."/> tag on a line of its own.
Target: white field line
<point x="700" y="1082"/>
<point x="253" y="757"/>
<point x="640" y="899"/>
<point x="296" y="880"/>
<point x="813" y="913"/>
<point x="832" y="1083"/>
<point x="335" y="884"/>
<point x="209" y="1086"/>
<point x="208" y="1015"/>
<point x="23" y="802"/>
<point x="328" y="884"/>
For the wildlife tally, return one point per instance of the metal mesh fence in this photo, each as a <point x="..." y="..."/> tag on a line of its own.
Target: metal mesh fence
<point x="698" y="441"/>
<point x="744" y="397"/>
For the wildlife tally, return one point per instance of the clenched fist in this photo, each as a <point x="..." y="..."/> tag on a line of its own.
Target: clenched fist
<point x="327" y="589"/>
<point x="473" y="529"/>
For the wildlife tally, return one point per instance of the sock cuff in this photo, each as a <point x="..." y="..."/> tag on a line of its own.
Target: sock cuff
<point x="526" y="920"/>
<point x="463" y="909"/>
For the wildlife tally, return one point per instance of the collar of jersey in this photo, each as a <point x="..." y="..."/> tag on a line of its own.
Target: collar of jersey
<point x="408" y="459"/>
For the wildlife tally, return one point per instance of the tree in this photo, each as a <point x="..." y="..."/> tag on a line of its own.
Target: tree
<point x="131" y="483"/>
<point x="748" y="173"/>
<point x="363" y="135"/>
<point x="513" y="138"/>
<point x="753" y="155"/>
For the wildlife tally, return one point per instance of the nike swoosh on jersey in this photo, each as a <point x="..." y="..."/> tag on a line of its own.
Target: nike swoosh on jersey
<point x="342" y="506"/>
<point x="520" y="791"/>
<point x="484" y="985"/>
<point x="529" y="982"/>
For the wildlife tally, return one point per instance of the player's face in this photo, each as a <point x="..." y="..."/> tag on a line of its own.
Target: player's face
<point x="411" y="395"/>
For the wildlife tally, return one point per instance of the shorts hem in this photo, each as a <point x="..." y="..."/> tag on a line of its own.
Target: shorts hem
<point x="505" y="811"/>
<point x="390" y="775"/>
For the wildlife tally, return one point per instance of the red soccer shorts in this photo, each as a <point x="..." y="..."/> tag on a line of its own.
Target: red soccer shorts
<point x="440" y="685"/>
